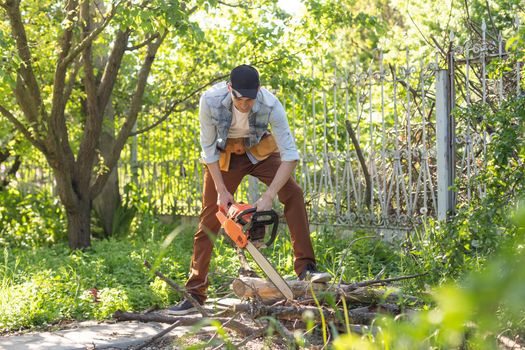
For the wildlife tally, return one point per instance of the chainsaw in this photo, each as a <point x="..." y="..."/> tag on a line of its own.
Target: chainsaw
<point x="240" y="222"/>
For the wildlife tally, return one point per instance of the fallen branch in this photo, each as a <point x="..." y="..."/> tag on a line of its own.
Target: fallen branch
<point x="508" y="343"/>
<point x="235" y="326"/>
<point x="340" y="268"/>
<point x="224" y="325"/>
<point x="361" y="316"/>
<point x="381" y="281"/>
<point x="157" y="336"/>
<point x="179" y="289"/>
<point x="259" y="333"/>
<point x="285" y="333"/>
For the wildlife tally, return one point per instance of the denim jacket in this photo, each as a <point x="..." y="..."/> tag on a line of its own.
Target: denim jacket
<point x="215" y="115"/>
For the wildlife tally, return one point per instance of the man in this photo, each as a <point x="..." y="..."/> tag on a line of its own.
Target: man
<point x="234" y="119"/>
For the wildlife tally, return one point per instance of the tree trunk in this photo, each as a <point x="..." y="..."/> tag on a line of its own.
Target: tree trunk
<point x="107" y="202"/>
<point x="74" y="195"/>
<point x="79" y="224"/>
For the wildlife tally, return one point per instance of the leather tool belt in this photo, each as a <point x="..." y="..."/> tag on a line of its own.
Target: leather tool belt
<point x="260" y="151"/>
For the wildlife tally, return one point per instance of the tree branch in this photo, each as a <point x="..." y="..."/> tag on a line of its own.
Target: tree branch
<point x="490" y="15"/>
<point x="240" y="4"/>
<point x="27" y="134"/>
<point x="171" y="109"/>
<point x="12" y="171"/>
<point x="135" y="106"/>
<point x="111" y="69"/>
<point x="440" y="48"/>
<point x="87" y="40"/>
<point x="179" y="289"/>
<point x="59" y="137"/>
<point x="382" y="281"/>
<point x="366" y="174"/>
<point x="71" y="81"/>
<point x="93" y="126"/>
<point x="27" y="91"/>
<point x="236" y="326"/>
<point x="157" y="336"/>
<point x="142" y="44"/>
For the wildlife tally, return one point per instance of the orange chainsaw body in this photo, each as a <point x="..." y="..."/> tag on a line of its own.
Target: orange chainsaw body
<point x="237" y="222"/>
<point x="232" y="228"/>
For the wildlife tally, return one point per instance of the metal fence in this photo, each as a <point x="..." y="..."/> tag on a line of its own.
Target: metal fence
<point x="484" y="74"/>
<point x="390" y="120"/>
<point x="380" y="169"/>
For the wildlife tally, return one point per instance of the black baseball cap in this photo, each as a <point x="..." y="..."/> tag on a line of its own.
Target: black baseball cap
<point x="245" y="81"/>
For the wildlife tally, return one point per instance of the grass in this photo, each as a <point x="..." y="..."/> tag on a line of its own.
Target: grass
<point x="47" y="284"/>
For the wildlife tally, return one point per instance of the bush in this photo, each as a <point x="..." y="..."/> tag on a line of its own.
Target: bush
<point x="32" y="219"/>
<point x="49" y="284"/>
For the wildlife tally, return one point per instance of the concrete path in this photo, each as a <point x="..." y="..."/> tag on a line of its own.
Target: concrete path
<point x="95" y="335"/>
<point x="88" y="335"/>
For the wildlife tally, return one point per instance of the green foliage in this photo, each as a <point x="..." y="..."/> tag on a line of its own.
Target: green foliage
<point x="30" y="219"/>
<point x="112" y="270"/>
<point x="49" y="284"/>
<point x="469" y="315"/>
<point x="483" y="224"/>
<point x="490" y="298"/>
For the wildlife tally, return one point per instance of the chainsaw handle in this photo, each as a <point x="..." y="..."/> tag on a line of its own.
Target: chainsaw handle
<point x="273" y="221"/>
<point x="244" y="212"/>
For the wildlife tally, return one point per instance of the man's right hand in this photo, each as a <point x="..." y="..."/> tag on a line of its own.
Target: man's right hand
<point x="224" y="199"/>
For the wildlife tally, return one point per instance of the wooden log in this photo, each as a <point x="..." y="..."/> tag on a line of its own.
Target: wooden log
<point x="249" y="287"/>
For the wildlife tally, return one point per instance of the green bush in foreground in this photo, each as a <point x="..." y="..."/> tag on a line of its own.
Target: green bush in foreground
<point x="30" y="219"/>
<point x="468" y="315"/>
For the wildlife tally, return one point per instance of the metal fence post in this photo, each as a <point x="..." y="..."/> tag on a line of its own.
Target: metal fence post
<point x="445" y="145"/>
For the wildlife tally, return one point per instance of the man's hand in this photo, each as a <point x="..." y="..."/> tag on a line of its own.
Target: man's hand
<point x="264" y="203"/>
<point x="224" y="199"/>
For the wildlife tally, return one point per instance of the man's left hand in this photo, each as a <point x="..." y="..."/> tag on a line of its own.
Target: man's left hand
<point x="264" y="203"/>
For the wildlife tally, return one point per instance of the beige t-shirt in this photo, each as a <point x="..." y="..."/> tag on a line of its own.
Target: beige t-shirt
<point x="240" y="126"/>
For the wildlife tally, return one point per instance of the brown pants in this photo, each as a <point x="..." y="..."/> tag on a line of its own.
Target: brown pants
<point x="291" y="195"/>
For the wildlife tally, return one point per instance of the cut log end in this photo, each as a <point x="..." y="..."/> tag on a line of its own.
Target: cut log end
<point x="250" y="287"/>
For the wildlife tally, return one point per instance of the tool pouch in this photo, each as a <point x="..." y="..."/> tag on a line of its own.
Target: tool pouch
<point x="233" y="145"/>
<point x="260" y="151"/>
<point x="264" y="148"/>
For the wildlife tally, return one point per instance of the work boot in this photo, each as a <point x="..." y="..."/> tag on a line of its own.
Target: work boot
<point x="184" y="307"/>
<point x="311" y="274"/>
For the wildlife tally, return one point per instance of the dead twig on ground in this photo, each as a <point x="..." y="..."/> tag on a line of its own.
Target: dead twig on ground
<point x="381" y="281"/>
<point x="157" y="336"/>
<point x="179" y="289"/>
<point x="236" y="326"/>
